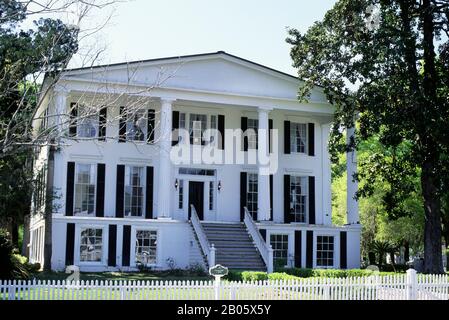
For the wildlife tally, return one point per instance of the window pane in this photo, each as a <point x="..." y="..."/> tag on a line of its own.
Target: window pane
<point x="84" y="189"/>
<point x="91" y="245"/>
<point x="146" y="247"/>
<point x="134" y="191"/>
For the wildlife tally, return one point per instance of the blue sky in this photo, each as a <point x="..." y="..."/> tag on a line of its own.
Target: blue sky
<point x="252" y="29"/>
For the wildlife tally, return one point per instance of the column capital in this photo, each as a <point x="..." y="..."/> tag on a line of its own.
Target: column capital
<point x="61" y="90"/>
<point x="167" y="100"/>
<point x="264" y="109"/>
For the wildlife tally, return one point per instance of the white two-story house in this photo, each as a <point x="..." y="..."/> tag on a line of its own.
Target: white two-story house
<point x="151" y="169"/>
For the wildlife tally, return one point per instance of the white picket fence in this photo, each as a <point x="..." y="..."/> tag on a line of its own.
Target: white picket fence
<point x="398" y="287"/>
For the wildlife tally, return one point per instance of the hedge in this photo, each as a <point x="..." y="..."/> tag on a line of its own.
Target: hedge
<point x="298" y="273"/>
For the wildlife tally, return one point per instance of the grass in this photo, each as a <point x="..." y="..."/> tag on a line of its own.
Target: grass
<point x="121" y="276"/>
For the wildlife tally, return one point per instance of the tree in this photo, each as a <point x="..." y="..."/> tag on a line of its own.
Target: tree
<point x="389" y="68"/>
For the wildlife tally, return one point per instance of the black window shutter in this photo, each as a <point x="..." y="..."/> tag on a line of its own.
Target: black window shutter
<point x="151" y="125"/>
<point x="69" y="188"/>
<point x="175" y="126"/>
<point x="120" y="189"/>
<point x="298" y="248"/>
<point x="311" y="139"/>
<point x="270" y="127"/>
<point x="343" y="250"/>
<point x="102" y="123"/>
<point x="287" y="215"/>
<point x="263" y="233"/>
<point x="101" y="174"/>
<point x="149" y="194"/>
<point x="112" y="245"/>
<point x="73" y="116"/>
<point x="309" y="253"/>
<point x="221" y="129"/>
<point x="287" y="137"/>
<point x="271" y="197"/>
<point x="244" y="127"/>
<point x="126" y="249"/>
<point x="122" y="126"/>
<point x="70" y="244"/>
<point x="243" y="177"/>
<point x="311" y="200"/>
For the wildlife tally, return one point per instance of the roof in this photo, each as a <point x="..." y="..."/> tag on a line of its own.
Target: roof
<point x="183" y="57"/>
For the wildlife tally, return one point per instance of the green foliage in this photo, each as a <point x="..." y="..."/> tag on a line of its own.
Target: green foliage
<point x="12" y="266"/>
<point x="254" y="276"/>
<point x="281" y="276"/>
<point x="234" y="275"/>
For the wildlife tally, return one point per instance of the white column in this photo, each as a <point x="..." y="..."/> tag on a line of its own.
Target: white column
<point x="327" y="180"/>
<point x="352" y="205"/>
<point x="60" y="110"/>
<point x="263" y="185"/>
<point x="164" y="182"/>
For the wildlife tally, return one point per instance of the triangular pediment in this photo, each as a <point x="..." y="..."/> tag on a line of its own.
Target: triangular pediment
<point x="216" y="72"/>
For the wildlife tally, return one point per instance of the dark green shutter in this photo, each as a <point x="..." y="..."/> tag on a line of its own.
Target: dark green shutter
<point x="102" y="124"/>
<point x="270" y="128"/>
<point x="70" y="181"/>
<point x="311" y="139"/>
<point x="112" y="245"/>
<point x="311" y="200"/>
<point x="287" y="137"/>
<point x="243" y="177"/>
<point x="271" y="198"/>
<point x="101" y="174"/>
<point x="175" y="126"/>
<point x="149" y="193"/>
<point x="73" y="119"/>
<point x="126" y="249"/>
<point x="343" y="250"/>
<point x="309" y="250"/>
<point x="221" y="130"/>
<point x="244" y="127"/>
<point x="287" y="214"/>
<point x="122" y="126"/>
<point x="298" y="249"/>
<point x="120" y="190"/>
<point x="263" y="233"/>
<point x="150" y="125"/>
<point x="70" y="244"/>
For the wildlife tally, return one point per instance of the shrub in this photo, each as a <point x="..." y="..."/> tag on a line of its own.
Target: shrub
<point x="12" y="266"/>
<point x="329" y="273"/>
<point x="254" y="276"/>
<point x="282" y="276"/>
<point x="298" y="272"/>
<point x="234" y="275"/>
<point x="359" y="272"/>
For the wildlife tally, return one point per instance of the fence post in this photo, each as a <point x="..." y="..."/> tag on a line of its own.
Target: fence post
<point x="212" y="256"/>
<point x="217" y="287"/>
<point x="411" y="284"/>
<point x="270" y="260"/>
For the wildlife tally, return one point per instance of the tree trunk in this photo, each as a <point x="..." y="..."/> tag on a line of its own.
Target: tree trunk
<point x="406" y="251"/>
<point x="392" y="259"/>
<point x="14" y="233"/>
<point x="372" y="258"/>
<point x="433" y="262"/>
<point x="49" y="212"/>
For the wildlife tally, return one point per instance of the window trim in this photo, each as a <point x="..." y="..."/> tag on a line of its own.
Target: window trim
<point x="315" y="250"/>
<point x="95" y="165"/>
<point x="144" y="189"/>
<point x="247" y="190"/>
<point x="134" y="230"/>
<point x="95" y="117"/>
<point x="104" y="245"/>
<point x="274" y="233"/>
<point x="306" y="213"/>
<point x="306" y="144"/>
<point x="185" y="116"/>
<point x="144" y="111"/>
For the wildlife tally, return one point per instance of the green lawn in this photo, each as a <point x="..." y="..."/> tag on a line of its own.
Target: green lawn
<point x="121" y="276"/>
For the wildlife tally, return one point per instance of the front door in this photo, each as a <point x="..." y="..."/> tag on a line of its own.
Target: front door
<point x="196" y="197"/>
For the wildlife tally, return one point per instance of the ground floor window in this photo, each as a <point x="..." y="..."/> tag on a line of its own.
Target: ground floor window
<point x="91" y="245"/>
<point x="325" y="251"/>
<point x="146" y="242"/>
<point x="279" y="243"/>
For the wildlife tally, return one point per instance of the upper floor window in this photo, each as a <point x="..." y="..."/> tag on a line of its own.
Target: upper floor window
<point x="87" y="122"/>
<point x="298" y="137"/>
<point x="85" y="188"/>
<point x="325" y="251"/>
<point x="298" y="198"/>
<point x="197" y="124"/>
<point x="136" y="126"/>
<point x="134" y="191"/>
<point x="253" y="125"/>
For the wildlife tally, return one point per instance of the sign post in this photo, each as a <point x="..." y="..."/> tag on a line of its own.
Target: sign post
<point x="218" y="271"/>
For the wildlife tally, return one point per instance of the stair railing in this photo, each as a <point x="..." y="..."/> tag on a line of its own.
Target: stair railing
<point x="265" y="249"/>
<point x="208" y="249"/>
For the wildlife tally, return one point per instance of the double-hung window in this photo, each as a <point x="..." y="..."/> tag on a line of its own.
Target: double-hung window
<point x="85" y="181"/>
<point x="251" y="200"/>
<point x="197" y="124"/>
<point x="325" y="251"/>
<point x="279" y="243"/>
<point x="134" y="191"/>
<point x="298" y="198"/>
<point x="136" y="125"/>
<point x="252" y="129"/>
<point x="87" y="122"/>
<point x="298" y="137"/>
<point x="146" y="247"/>
<point x="91" y="245"/>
